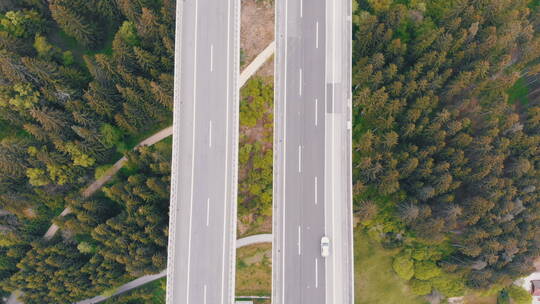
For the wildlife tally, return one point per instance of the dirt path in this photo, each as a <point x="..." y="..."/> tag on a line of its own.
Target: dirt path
<point x="256" y="31"/>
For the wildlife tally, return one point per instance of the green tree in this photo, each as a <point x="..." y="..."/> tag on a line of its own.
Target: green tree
<point x="23" y="23"/>
<point x="420" y="287"/>
<point x="425" y="270"/>
<point x="404" y="266"/>
<point x="75" y="24"/>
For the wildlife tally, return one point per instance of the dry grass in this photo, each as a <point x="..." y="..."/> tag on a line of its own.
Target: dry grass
<point x="374" y="279"/>
<point x="249" y="226"/>
<point x="254" y="270"/>
<point x="474" y="299"/>
<point x="257" y="32"/>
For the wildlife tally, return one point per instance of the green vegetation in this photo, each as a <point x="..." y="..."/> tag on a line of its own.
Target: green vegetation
<point x="445" y="168"/>
<point x="446" y="163"/>
<point x="376" y="282"/>
<point x="80" y="82"/>
<point x="151" y="293"/>
<point x="254" y="270"/>
<point x="518" y="295"/>
<point x="518" y="92"/>
<point x="120" y="236"/>
<point x="255" y="154"/>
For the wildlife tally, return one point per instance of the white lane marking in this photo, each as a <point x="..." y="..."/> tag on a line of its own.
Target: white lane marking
<point x="226" y="156"/>
<point x="299" y="241"/>
<point x="316" y="273"/>
<point x="301" y="8"/>
<point x="317" y="35"/>
<point x="316" y="192"/>
<point x="211" y="58"/>
<point x="299" y="158"/>
<point x="204" y="297"/>
<point x="208" y="212"/>
<point x="316" y="111"/>
<point x="300" y="84"/>
<point x="193" y="147"/>
<point x="210" y="135"/>
<point x="334" y="59"/>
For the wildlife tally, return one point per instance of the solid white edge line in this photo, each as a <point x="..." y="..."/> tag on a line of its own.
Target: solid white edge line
<point x="325" y="125"/>
<point x="193" y="147"/>
<point x="334" y="287"/>
<point x="284" y="90"/>
<point x="223" y="300"/>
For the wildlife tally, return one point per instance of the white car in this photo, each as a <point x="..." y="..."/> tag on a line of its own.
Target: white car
<point x="325" y="246"/>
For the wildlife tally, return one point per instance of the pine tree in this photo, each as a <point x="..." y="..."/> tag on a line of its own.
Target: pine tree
<point x="51" y="120"/>
<point x="74" y="24"/>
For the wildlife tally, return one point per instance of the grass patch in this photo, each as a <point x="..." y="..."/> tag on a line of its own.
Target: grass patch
<point x="478" y="299"/>
<point x="8" y="131"/>
<point x="254" y="270"/>
<point x="375" y="280"/>
<point x="255" y="301"/>
<point x="519" y="92"/>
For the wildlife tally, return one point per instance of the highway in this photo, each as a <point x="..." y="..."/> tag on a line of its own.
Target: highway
<point x="202" y="228"/>
<point x="312" y="153"/>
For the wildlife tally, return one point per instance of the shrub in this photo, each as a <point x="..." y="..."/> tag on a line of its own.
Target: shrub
<point x="85" y="247"/>
<point x="450" y="286"/>
<point x="128" y="32"/>
<point x="111" y="135"/>
<point x="425" y="270"/>
<point x="109" y="292"/>
<point x="67" y="58"/>
<point x="421" y="254"/>
<point x="519" y="295"/>
<point x="420" y="287"/>
<point x="403" y="265"/>
<point x="101" y="170"/>
<point x="44" y="49"/>
<point x="503" y="298"/>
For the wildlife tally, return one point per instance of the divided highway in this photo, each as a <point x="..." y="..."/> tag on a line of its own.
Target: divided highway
<point x="202" y="228"/>
<point x="312" y="153"/>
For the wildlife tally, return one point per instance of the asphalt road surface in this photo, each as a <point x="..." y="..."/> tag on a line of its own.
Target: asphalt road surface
<point x="202" y="229"/>
<point x="312" y="159"/>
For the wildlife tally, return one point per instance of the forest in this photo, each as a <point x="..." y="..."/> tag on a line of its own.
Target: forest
<point x="446" y="167"/>
<point x="446" y="154"/>
<point x="80" y="83"/>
